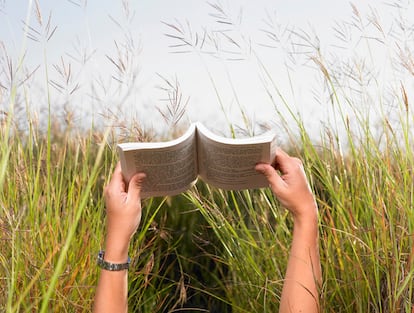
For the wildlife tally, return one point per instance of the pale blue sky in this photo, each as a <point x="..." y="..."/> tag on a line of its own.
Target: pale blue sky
<point x="87" y="27"/>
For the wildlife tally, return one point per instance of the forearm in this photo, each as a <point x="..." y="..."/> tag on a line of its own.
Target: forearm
<point x="112" y="290"/>
<point x="303" y="275"/>
<point x="123" y="209"/>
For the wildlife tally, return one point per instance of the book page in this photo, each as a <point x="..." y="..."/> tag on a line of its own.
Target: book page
<point x="229" y="163"/>
<point x="171" y="167"/>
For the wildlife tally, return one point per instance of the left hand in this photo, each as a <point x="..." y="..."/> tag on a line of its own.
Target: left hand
<point x="123" y="208"/>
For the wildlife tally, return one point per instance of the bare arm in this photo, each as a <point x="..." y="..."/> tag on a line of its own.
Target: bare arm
<point x="123" y="208"/>
<point x="303" y="275"/>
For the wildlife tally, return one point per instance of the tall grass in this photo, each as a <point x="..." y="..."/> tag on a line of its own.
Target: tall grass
<point x="209" y="250"/>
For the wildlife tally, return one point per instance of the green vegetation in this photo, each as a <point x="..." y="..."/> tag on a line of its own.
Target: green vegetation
<point x="209" y="250"/>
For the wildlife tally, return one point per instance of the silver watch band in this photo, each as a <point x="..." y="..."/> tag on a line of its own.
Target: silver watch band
<point x="111" y="266"/>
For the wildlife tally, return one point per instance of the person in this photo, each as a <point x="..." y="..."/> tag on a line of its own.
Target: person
<point x="287" y="180"/>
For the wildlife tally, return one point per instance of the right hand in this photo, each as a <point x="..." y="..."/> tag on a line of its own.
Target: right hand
<point x="290" y="186"/>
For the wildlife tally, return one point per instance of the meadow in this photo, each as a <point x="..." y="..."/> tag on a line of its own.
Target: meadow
<point x="210" y="250"/>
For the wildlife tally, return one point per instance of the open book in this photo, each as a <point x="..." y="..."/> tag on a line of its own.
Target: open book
<point x="174" y="166"/>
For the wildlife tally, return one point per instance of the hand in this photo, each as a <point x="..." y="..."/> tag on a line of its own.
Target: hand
<point x="303" y="277"/>
<point x="123" y="209"/>
<point x="290" y="186"/>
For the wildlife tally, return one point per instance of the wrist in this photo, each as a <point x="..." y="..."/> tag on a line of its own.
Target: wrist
<point x="116" y="251"/>
<point x="308" y="218"/>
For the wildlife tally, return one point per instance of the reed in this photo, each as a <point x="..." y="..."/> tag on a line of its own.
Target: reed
<point x="208" y="250"/>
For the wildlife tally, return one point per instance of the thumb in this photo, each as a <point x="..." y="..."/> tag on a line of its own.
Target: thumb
<point x="135" y="186"/>
<point x="275" y="181"/>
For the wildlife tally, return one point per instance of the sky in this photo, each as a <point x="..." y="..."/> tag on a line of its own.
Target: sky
<point x="219" y="77"/>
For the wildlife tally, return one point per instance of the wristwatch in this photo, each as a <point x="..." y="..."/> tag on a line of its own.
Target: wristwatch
<point x="111" y="266"/>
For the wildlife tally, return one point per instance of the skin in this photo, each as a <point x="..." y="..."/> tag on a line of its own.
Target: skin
<point x="303" y="277"/>
<point x="123" y="209"/>
<point x="288" y="182"/>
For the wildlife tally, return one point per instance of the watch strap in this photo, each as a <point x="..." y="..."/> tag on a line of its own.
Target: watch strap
<point x="111" y="266"/>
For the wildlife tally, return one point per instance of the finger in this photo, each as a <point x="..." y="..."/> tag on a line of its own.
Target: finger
<point x="116" y="184"/>
<point x="281" y="157"/>
<point x="271" y="175"/>
<point x="117" y="174"/>
<point x="135" y="186"/>
<point x="281" y="153"/>
<point x="284" y="162"/>
<point x="117" y="170"/>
